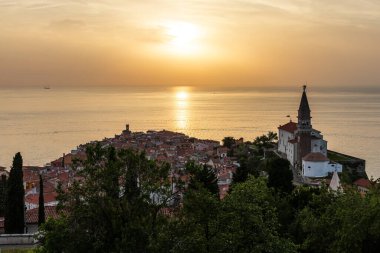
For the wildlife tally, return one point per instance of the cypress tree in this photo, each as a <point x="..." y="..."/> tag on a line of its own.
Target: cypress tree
<point x="14" y="210"/>
<point x="3" y="192"/>
<point x="41" y="204"/>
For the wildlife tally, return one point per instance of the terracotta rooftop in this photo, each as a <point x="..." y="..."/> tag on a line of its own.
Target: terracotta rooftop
<point x="315" y="157"/>
<point x="32" y="214"/>
<point x="363" y="183"/>
<point x="34" y="198"/>
<point x="290" y="127"/>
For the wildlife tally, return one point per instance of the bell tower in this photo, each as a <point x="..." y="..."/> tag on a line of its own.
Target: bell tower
<point x="304" y="127"/>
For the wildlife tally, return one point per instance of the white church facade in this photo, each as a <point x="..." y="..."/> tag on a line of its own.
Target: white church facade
<point x="304" y="146"/>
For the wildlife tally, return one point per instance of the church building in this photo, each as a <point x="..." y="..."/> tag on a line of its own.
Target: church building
<point x="304" y="146"/>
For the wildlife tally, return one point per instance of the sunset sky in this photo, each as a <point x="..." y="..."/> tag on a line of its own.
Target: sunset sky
<point x="215" y="43"/>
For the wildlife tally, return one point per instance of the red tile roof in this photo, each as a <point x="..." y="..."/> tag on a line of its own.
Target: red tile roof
<point x="32" y="214"/>
<point x="290" y="127"/>
<point x="48" y="197"/>
<point x="363" y="183"/>
<point x="315" y="157"/>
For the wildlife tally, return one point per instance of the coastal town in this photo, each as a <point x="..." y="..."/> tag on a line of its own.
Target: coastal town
<point x="310" y="160"/>
<point x="164" y="146"/>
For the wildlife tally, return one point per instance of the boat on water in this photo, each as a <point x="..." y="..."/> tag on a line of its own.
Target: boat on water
<point x="47" y="87"/>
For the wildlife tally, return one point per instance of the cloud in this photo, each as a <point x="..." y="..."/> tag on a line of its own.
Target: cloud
<point x="245" y="41"/>
<point x="67" y="24"/>
<point x="4" y="4"/>
<point x="151" y="34"/>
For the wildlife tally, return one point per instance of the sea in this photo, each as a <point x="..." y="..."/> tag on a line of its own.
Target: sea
<point x="44" y="122"/>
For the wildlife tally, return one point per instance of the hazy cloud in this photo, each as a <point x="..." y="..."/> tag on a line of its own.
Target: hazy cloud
<point x="247" y="42"/>
<point x="67" y="24"/>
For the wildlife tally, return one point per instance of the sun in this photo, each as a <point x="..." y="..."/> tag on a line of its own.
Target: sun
<point x="182" y="37"/>
<point x="182" y="95"/>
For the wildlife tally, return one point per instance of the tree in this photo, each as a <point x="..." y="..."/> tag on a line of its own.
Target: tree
<point x="242" y="172"/>
<point x="196" y="227"/>
<point x="338" y="222"/>
<point x="114" y="207"/>
<point x="280" y="175"/>
<point x="15" y="207"/>
<point x="3" y="193"/>
<point x="264" y="141"/>
<point x="249" y="166"/>
<point x="41" y="204"/>
<point x="228" y="142"/>
<point x="204" y="176"/>
<point x="250" y="221"/>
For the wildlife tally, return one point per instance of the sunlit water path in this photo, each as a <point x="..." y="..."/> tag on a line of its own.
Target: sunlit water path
<point x="43" y="124"/>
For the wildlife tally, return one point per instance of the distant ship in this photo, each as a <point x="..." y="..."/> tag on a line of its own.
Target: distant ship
<point x="47" y="87"/>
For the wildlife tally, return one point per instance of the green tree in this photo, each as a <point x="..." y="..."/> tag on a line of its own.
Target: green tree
<point x="345" y="222"/>
<point x="228" y="142"/>
<point x="202" y="176"/>
<point x="250" y="221"/>
<point x="242" y="172"/>
<point x="3" y="193"/>
<point x="15" y="206"/>
<point x="280" y="175"/>
<point x="249" y="166"/>
<point x="115" y="207"/>
<point x="196" y="227"/>
<point x="264" y="142"/>
<point x="41" y="204"/>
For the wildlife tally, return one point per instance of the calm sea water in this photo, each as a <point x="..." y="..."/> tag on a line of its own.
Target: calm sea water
<point x="43" y="124"/>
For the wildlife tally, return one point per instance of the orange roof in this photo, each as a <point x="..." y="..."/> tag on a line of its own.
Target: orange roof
<point x="315" y="157"/>
<point x="48" y="197"/>
<point x="32" y="214"/>
<point x="363" y="183"/>
<point x="290" y="127"/>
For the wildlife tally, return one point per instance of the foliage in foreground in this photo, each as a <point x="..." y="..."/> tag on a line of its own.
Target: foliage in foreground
<point x="117" y="207"/>
<point x="17" y="251"/>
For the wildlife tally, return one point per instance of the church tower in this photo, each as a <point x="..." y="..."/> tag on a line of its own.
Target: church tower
<point x="304" y="128"/>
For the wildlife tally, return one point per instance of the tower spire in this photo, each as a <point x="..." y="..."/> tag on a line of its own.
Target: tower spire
<point x="304" y="109"/>
<point x="304" y="128"/>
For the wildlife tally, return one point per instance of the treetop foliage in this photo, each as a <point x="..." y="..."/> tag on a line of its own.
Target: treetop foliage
<point x="121" y="201"/>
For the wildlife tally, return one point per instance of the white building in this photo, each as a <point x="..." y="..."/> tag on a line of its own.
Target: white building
<point x="303" y="146"/>
<point x="316" y="164"/>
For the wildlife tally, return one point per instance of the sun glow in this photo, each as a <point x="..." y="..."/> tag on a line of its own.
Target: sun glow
<point x="181" y="95"/>
<point x="183" y="37"/>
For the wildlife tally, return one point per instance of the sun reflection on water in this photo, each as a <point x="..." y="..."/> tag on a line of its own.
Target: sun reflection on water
<point x="181" y="109"/>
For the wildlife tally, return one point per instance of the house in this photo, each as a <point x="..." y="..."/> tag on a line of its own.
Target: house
<point x="32" y="200"/>
<point x="316" y="164"/>
<point x="31" y="218"/>
<point x="3" y="171"/>
<point x="222" y="152"/>
<point x="363" y="185"/>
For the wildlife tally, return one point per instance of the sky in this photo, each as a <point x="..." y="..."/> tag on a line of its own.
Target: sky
<point x="215" y="43"/>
